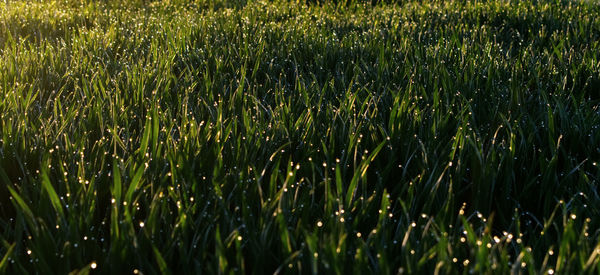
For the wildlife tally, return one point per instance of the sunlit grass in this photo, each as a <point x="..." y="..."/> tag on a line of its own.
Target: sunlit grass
<point x="260" y="137"/>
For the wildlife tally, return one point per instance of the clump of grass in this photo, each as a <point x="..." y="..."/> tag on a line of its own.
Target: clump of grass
<point x="261" y="137"/>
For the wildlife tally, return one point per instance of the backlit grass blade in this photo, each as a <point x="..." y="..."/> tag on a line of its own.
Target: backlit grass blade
<point x="360" y="173"/>
<point x="5" y="259"/>
<point x="23" y="208"/>
<point x="135" y="183"/>
<point x="160" y="261"/>
<point x="54" y="200"/>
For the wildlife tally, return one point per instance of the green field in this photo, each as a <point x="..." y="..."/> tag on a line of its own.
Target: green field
<point x="253" y="137"/>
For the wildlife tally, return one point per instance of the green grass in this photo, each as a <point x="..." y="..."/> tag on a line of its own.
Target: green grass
<point x="261" y="137"/>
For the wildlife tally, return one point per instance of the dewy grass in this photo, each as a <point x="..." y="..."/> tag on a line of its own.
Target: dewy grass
<point x="291" y="137"/>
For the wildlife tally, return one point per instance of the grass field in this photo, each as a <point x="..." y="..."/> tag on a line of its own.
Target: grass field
<point x="276" y="136"/>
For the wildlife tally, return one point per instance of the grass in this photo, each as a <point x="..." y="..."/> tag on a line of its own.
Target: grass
<point x="291" y="137"/>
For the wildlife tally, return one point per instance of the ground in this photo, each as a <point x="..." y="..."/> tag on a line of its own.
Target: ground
<point x="299" y="137"/>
